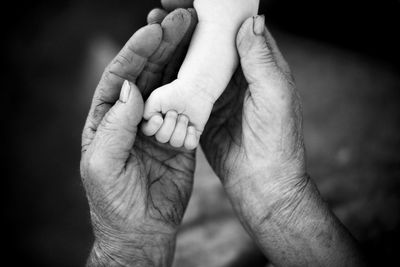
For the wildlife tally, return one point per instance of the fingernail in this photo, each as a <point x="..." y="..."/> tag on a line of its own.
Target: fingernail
<point x="125" y="91"/>
<point x="259" y="25"/>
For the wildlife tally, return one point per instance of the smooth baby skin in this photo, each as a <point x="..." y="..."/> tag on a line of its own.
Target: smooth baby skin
<point x="170" y="5"/>
<point x="178" y="112"/>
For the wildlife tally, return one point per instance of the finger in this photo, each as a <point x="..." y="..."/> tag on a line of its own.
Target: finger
<point x="173" y="4"/>
<point x="264" y="68"/>
<point x="127" y="65"/>
<point x="280" y="60"/>
<point x="179" y="134"/>
<point x="192" y="138"/>
<point x="260" y="57"/>
<point x="157" y="15"/>
<point x="116" y="133"/>
<point x="174" y="28"/>
<point x="172" y="69"/>
<point x="150" y="128"/>
<point x="256" y="57"/>
<point x="164" y="134"/>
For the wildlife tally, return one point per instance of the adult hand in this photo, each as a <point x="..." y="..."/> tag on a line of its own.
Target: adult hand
<point x="137" y="189"/>
<point x="254" y="142"/>
<point x="254" y="136"/>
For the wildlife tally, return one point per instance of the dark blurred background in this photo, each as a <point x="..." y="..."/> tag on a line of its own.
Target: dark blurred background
<point x="344" y="55"/>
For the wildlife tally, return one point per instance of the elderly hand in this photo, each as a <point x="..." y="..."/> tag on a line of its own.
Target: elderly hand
<point x="137" y="189"/>
<point x="254" y="142"/>
<point x="254" y="138"/>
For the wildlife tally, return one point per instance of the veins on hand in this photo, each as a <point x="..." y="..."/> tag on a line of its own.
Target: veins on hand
<point x="171" y="173"/>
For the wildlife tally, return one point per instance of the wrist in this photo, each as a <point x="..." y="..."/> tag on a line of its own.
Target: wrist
<point x="130" y="253"/>
<point x="138" y="247"/>
<point x="296" y="228"/>
<point x="265" y="194"/>
<point x="264" y="208"/>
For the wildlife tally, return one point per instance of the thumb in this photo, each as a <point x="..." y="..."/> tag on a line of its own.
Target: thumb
<point x="116" y="134"/>
<point x="260" y="58"/>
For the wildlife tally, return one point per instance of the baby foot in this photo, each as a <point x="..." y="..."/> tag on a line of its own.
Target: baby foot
<point x="177" y="113"/>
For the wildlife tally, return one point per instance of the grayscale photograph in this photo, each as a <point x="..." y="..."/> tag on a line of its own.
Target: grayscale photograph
<point x="202" y="133"/>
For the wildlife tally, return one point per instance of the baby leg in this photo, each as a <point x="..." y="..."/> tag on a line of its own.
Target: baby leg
<point x="205" y="73"/>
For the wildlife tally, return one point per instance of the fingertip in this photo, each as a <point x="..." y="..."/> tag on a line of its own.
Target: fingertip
<point x="245" y="35"/>
<point x="150" y="128"/>
<point x="136" y="95"/>
<point x="125" y="92"/>
<point x="132" y="102"/>
<point x="165" y="132"/>
<point x="246" y="26"/>
<point x="192" y="139"/>
<point x="193" y="12"/>
<point x="179" y="134"/>
<point x="259" y="25"/>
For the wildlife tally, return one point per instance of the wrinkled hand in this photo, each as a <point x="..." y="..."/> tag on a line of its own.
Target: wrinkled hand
<point x="254" y="137"/>
<point x="137" y="189"/>
<point x="254" y="141"/>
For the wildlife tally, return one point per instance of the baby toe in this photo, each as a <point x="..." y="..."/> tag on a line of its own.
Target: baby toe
<point x="150" y="128"/>
<point x="165" y="132"/>
<point x="157" y="15"/>
<point x="153" y="104"/>
<point x="179" y="134"/>
<point x="192" y="138"/>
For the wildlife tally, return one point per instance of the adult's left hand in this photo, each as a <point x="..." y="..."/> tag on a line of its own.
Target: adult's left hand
<point x="137" y="188"/>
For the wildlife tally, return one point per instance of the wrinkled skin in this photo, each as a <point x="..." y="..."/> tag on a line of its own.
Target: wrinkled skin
<point x="137" y="189"/>
<point x="244" y="120"/>
<point x="254" y="142"/>
<point x="254" y="136"/>
<point x="244" y="135"/>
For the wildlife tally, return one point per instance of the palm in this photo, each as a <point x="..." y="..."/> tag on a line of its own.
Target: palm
<point x="241" y="123"/>
<point x="155" y="183"/>
<point x="223" y="134"/>
<point x="168" y="171"/>
<point x="152" y="189"/>
<point x="169" y="176"/>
